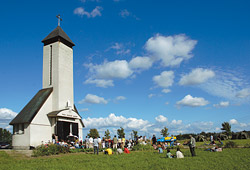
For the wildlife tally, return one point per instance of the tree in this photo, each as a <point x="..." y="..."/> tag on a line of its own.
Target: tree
<point x="107" y="134"/>
<point x="164" y="132"/>
<point x="135" y="134"/>
<point x="5" y="135"/>
<point x="93" y="133"/>
<point x="120" y="133"/>
<point x="227" y="128"/>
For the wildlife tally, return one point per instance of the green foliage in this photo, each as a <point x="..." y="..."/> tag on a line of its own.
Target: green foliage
<point x="164" y="132"/>
<point x="135" y="134"/>
<point x="76" y="150"/>
<point x="107" y="134"/>
<point x="5" y="135"/>
<point x="231" y="144"/>
<point x="120" y="133"/>
<point x="93" y="133"/>
<point x="247" y="145"/>
<point x="227" y="128"/>
<point x="140" y="147"/>
<point x="52" y="149"/>
<point x="89" y="150"/>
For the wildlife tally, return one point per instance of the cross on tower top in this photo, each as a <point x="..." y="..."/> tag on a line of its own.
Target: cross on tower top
<point x="59" y="19"/>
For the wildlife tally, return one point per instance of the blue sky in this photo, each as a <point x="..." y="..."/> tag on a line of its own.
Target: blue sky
<point x="141" y="65"/>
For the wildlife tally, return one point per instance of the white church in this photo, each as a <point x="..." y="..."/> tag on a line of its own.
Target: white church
<point x="51" y="110"/>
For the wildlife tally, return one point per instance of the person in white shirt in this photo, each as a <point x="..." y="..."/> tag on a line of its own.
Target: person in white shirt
<point x="91" y="141"/>
<point x="87" y="142"/>
<point x="179" y="154"/>
<point x="96" y="146"/>
<point x="100" y="142"/>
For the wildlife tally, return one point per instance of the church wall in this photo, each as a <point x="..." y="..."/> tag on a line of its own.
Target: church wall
<point x="80" y="130"/>
<point x="40" y="127"/>
<point x="21" y="141"/>
<point x="40" y="134"/>
<point x="62" y="73"/>
<point x="65" y="76"/>
<point x="46" y="66"/>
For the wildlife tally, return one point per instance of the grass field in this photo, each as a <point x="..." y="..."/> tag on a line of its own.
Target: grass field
<point x="236" y="158"/>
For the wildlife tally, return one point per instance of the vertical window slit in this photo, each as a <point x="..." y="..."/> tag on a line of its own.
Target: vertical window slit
<point x="50" y="65"/>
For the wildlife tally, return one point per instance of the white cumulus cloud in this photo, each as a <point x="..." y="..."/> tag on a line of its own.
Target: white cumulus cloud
<point x="120" y="98"/>
<point x="222" y="104"/>
<point x="141" y="63"/>
<point x="166" y="90"/>
<point x="176" y="122"/>
<point x="233" y="122"/>
<point x="110" y="70"/>
<point x="161" y="118"/>
<point x="100" y="82"/>
<point x="116" y="121"/>
<point x="197" y="76"/>
<point x="165" y="79"/>
<point x="188" y="100"/>
<point x="93" y="99"/>
<point x="170" y="50"/>
<point x="7" y="113"/>
<point x="95" y="12"/>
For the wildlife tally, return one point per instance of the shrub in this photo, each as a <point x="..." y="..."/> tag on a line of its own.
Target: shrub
<point x="140" y="147"/>
<point x="247" y="145"/>
<point x="52" y="149"/>
<point x="76" y="150"/>
<point x="89" y="150"/>
<point x="230" y="144"/>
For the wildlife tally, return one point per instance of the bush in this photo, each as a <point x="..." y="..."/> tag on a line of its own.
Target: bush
<point x="52" y="149"/>
<point x="140" y="147"/>
<point x="76" y="150"/>
<point x="230" y="144"/>
<point x="247" y="145"/>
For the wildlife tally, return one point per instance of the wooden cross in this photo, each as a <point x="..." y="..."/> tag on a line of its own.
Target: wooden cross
<point x="59" y="19"/>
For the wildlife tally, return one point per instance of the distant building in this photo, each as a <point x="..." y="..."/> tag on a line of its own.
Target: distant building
<point x="51" y="110"/>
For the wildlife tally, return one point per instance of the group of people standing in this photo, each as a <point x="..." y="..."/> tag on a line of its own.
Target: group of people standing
<point x="103" y="143"/>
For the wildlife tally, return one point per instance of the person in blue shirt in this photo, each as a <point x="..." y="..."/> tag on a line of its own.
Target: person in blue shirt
<point x="172" y="141"/>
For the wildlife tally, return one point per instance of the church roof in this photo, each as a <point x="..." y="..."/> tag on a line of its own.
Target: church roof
<point x="58" y="35"/>
<point x="31" y="109"/>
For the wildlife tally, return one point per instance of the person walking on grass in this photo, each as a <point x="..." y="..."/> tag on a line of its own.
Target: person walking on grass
<point x="192" y="145"/>
<point x="96" y="146"/>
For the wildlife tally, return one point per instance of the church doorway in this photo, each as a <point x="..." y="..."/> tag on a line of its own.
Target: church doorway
<point x="66" y="129"/>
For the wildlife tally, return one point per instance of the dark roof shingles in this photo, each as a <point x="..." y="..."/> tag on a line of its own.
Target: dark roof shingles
<point x="56" y="33"/>
<point x="31" y="109"/>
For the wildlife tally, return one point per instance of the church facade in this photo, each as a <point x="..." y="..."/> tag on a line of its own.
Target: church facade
<point x="51" y="110"/>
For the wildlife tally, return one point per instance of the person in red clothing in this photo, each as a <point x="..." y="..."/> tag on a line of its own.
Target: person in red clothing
<point x="126" y="150"/>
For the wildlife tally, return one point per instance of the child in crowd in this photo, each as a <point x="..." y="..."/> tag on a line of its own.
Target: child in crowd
<point x="108" y="151"/>
<point x="179" y="154"/>
<point x="160" y="150"/>
<point x="126" y="150"/>
<point x="169" y="155"/>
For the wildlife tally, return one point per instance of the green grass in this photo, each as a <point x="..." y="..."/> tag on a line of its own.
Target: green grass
<point x="239" y="142"/>
<point x="237" y="158"/>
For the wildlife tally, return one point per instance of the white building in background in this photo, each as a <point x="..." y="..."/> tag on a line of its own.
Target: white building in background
<point x="51" y="110"/>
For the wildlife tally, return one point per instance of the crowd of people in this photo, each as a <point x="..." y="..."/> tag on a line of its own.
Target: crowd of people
<point x="122" y="145"/>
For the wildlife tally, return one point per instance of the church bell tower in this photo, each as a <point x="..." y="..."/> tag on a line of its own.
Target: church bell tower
<point x="58" y="68"/>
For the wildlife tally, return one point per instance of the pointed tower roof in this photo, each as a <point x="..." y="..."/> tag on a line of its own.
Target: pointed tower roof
<point x="58" y="35"/>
